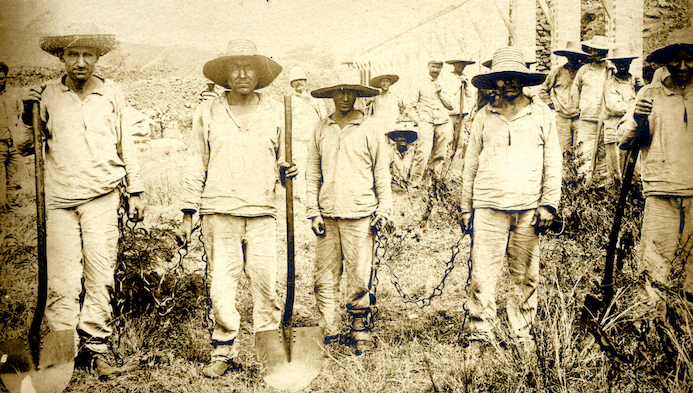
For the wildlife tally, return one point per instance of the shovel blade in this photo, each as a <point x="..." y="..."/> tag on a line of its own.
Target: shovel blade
<point x="294" y="371"/>
<point x="19" y="374"/>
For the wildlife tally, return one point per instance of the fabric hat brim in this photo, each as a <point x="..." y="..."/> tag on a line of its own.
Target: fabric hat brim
<point x="485" y="81"/>
<point x="568" y="52"/>
<point x="360" y="90"/>
<point x="409" y="134"/>
<point x="103" y="43"/>
<point x="465" y="62"/>
<point x="663" y="55"/>
<point x="375" y="82"/>
<point x="217" y="70"/>
<point x="617" y="58"/>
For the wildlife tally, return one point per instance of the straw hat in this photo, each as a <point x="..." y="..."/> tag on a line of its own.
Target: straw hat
<point x="598" y="42"/>
<point x="297" y="73"/>
<point x="347" y="79"/>
<point x="677" y="40"/>
<point x="465" y="62"/>
<point x="571" y="48"/>
<point x="488" y="63"/>
<point x="78" y="34"/>
<point x="508" y="61"/>
<point x="375" y="82"/>
<point x="621" y="53"/>
<point x="406" y="129"/>
<point x="217" y="69"/>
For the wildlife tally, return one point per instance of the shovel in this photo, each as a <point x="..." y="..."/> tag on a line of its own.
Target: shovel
<point x="290" y="357"/>
<point x="39" y="364"/>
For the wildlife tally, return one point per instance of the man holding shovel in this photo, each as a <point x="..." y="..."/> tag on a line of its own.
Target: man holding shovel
<point x="231" y="182"/>
<point x="87" y="156"/>
<point x="348" y="189"/>
<point x="660" y="126"/>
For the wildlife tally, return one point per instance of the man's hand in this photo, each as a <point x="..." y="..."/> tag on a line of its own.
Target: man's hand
<point x="318" y="226"/>
<point x="287" y="170"/>
<point x="137" y="207"/>
<point x="466" y="222"/>
<point x="33" y="94"/>
<point x="643" y="108"/>
<point x="185" y="231"/>
<point x="542" y="219"/>
<point x="379" y="222"/>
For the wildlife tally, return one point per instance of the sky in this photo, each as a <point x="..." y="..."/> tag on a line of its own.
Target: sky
<point x="345" y="28"/>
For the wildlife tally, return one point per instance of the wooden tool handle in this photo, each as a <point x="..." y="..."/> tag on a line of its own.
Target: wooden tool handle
<point x="290" y="268"/>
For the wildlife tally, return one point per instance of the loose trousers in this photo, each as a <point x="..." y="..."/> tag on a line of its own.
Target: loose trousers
<point x="347" y="247"/>
<point x="9" y="173"/>
<point x="82" y="241"/>
<point x="235" y="245"/>
<point x="566" y="128"/>
<point x="433" y="142"/>
<point x="667" y="233"/>
<point x="586" y="143"/>
<point x="497" y="235"/>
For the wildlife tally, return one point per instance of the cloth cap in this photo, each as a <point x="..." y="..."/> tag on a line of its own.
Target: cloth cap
<point x="677" y="40"/>
<point x="508" y="62"/>
<point x="297" y="73"/>
<point x="217" y="69"/>
<point x="347" y="79"/>
<point x="76" y="35"/>
<point x="375" y="82"/>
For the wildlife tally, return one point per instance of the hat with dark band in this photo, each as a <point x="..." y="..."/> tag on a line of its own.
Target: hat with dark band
<point x="78" y="35"/>
<point x="508" y="62"/>
<point x="347" y="79"/>
<point x="217" y="69"/>
<point x="677" y="40"/>
<point x="375" y="82"/>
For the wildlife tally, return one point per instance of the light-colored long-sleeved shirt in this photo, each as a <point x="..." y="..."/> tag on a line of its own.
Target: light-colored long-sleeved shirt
<point x="555" y="91"/>
<point x="426" y="105"/>
<point x="10" y="111"/>
<point x="588" y="89"/>
<point x="387" y="109"/>
<point x="348" y="171"/>
<point x="667" y="161"/>
<point x="455" y="87"/>
<point x="305" y="111"/>
<point x="234" y="170"/>
<point x="619" y="96"/>
<point x="87" y="153"/>
<point x="512" y="165"/>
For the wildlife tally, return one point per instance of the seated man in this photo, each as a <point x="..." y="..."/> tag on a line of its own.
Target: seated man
<point x="402" y="156"/>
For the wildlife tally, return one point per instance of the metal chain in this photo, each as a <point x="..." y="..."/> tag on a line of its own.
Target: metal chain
<point x="208" y="321"/>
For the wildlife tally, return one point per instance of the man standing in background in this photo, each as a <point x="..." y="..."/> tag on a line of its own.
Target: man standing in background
<point x="11" y="160"/>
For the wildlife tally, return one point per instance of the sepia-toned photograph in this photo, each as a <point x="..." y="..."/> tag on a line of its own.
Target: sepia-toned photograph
<point x="366" y="196"/>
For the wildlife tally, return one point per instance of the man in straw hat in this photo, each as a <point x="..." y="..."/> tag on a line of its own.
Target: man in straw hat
<point x="660" y="126"/>
<point x="619" y="96"/>
<point x="512" y="185"/>
<point x="306" y="111"/>
<point x="460" y="87"/>
<point x="231" y="183"/>
<point x="429" y="109"/>
<point x="387" y="107"/>
<point x="555" y="92"/>
<point x="587" y="94"/>
<point x="402" y="156"/>
<point x="349" y="193"/>
<point x="87" y="156"/>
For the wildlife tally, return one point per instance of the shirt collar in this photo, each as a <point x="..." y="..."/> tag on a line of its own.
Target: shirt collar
<point x="524" y="112"/>
<point x="98" y="90"/>
<point x="355" y="122"/>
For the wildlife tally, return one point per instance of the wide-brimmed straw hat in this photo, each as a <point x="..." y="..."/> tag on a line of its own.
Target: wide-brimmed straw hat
<point x="598" y="42"/>
<point x="405" y="129"/>
<point x="375" y="82"/>
<point x="573" y="48"/>
<point x="457" y="60"/>
<point x="508" y="62"/>
<point x="217" y="69"/>
<point x="620" y="53"/>
<point x="76" y="35"/>
<point x="489" y="62"/>
<point x="347" y="78"/>
<point x="677" y="40"/>
<point x="297" y="73"/>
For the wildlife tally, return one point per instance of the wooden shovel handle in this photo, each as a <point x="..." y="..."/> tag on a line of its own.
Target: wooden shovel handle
<point x="290" y="252"/>
<point x="35" y="329"/>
